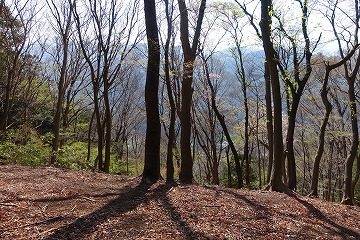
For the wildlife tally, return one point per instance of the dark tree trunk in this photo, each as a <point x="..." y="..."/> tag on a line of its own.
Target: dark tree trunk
<point x="153" y="130"/>
<point x="59" y="107"/>
<point x="228" y="167"/>
<point x="186" y="170"/>
<point x="100" y="143"/>
<point x="6" y="107"/>
<point x="171" y="140"/>
<point x="320" y="151"/>
<point x="89" y="139"/>
<point x="357" y="176"/>
<point x="269" y="121"/>
<point x="290" y="155"/>
<point x="108" y="125"/>
<point x="276" y="183"/>
<point x="348" y="198"/>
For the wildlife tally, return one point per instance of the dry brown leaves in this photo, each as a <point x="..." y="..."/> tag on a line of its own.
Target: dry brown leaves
<point x="51" y="203"/>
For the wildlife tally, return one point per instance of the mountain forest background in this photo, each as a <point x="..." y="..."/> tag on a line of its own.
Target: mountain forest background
<point x="245" y="94"/>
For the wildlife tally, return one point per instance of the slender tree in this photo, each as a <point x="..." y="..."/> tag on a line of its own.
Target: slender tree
<point x="221" y="119"/>
<point x="62" y="15"/>
<point x="328" y="109"/>
<point x="295" y="84"/>
<point x="348" y="40"/>
<point x="172" y="135"/>
<point x="105" y="45"/>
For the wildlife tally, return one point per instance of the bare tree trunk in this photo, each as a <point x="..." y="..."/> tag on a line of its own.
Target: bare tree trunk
<point x="108" y="125"/>
<point x="246" y="109"/>
<point x="269" y="121"/>
<point x="228" y="167"/>
<point x="276" y="183"/>
<point x="348" y="198"/>
<point x="6" y="108"/>
<point x="171" y="140"/>
<point x="64" y="32"/>
<point x="189" y="51"/>
<point x="89" y="139"/>
<point x="153" y="130"/>
<point x="357" y="176"/>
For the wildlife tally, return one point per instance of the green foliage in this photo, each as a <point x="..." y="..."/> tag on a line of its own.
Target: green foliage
<point x="124" y="167"/>
<point x="254" y="180"/>
<point x="74" y="156"/>
<point x="24" y="146"/>
<point x="231" y="10"/>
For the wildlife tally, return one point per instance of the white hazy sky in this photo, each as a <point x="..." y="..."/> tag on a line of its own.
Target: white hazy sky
<point x="317" y="23"/>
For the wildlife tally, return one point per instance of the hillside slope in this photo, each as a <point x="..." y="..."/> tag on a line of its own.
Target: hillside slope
<point x="51" y="203"/>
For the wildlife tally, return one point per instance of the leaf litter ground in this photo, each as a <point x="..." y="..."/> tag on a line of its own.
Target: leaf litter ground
<point x="52" y="203"/>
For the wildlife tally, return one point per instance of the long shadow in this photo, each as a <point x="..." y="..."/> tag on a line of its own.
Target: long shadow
<point x="258" y="209"/>
<point x="126" y="202"/>
<point x="71" y="197"/>
<point x="319" y="215"/>
<point x="160" y="193"/>
<point x="84" y="225"/>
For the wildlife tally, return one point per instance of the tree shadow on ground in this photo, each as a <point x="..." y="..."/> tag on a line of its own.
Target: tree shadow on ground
<point x="342" y="231"/>
<point x="126" y="202"/>
<point x="189" y="233"/>
<point x="261" y="211"/>
<point x="84" y="225"/>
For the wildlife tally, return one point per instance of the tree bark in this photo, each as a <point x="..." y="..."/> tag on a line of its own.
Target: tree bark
<point x="171" y="140"/>
<point x="64" y="32"/>
<point x="276" y="183"/>
<point x="153" y="130"/>
<point x="348" y="197"/>
<point x="186" y="170"/>
<point x="269" y="121"/>
<point x="320" y="151"/>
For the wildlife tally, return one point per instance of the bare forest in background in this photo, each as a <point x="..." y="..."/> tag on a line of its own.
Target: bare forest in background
<point x="243" y="94"/>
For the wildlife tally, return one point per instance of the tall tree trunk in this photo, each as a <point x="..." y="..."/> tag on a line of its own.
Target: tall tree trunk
<point x="100" y="143"/>
<point x="357" y="176"/>
<point x="269" y="121"/>
<point x="290" y="155"/>
<point x="89" y="139"/>
<point x="60" y="101"/>
<point x="153" y="129"/>
<point x="64" y="32"/>
<point x="108" y="125"/>
<point x="229" y="175"/>
<point x="320" y="151"/>
<point x="258" y="142"/>
<point x="243" y="82"/>
<point x="171" y="140"/>
<point x="6" y="107"/>
<point x="189" y="51"/>
<point x="276" y="183"/>
<point x="348" y="198"/>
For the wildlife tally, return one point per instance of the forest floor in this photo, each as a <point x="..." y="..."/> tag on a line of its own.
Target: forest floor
<point x="53" y="203"/>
